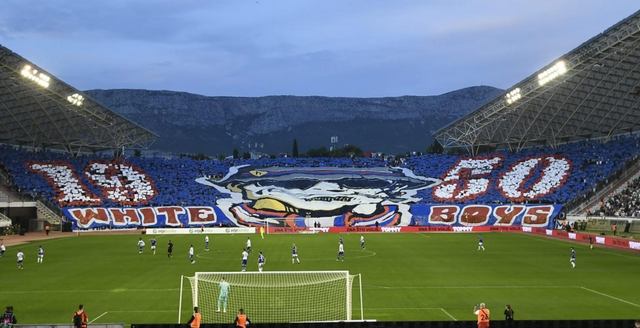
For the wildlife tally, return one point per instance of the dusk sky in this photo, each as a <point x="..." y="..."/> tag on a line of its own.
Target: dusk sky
<point x="297" y="47"/>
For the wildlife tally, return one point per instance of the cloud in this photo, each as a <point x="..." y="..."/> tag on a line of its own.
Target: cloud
<point x="345" y="48"/>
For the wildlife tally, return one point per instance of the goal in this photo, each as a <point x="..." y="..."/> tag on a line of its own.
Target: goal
<point x="275" y="296"/>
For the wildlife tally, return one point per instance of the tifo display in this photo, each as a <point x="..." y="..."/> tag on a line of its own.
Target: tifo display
<point x="524" y="188"/>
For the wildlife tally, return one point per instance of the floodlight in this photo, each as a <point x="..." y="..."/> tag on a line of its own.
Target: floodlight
<point x="32" y="74"/>
<point x="76" y="99"/>
<point x="512" y="96"/>
<point x="552" y="72"/>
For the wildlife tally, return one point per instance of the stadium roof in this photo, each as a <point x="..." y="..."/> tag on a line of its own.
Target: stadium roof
<point x="591" y="92"/>
<point x="39" y="110"/>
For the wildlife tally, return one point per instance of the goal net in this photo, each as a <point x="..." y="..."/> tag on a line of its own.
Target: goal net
<point x="275" y="296"/>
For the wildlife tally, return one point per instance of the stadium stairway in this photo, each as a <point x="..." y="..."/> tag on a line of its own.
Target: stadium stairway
<point x="619" y="183"/>
<point x="47" y="214"/>
<point x="8" y="195"/>
<point x="4" y="221"/>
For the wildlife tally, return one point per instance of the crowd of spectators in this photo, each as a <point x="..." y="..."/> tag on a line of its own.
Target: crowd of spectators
<point x="505" y="177"/>
<point x="625" y="203"/>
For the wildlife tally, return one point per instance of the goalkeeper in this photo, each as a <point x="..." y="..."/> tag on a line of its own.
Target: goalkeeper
<point x="223" y="296"/>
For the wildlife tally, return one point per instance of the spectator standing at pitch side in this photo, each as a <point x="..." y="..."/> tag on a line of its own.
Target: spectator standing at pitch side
<point x="508" y="316"/>
<point x="196" y="318"/>
<point x="8" y="318"/>
<point x="483" y="315"/>
<point x="241" y="319"/>
<point x="80" y="317"/>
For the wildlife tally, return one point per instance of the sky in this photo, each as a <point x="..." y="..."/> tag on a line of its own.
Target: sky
<point x="300" y="47"/>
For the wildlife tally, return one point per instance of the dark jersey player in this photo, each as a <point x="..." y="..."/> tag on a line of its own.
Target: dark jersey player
<point x="170" y="249"/>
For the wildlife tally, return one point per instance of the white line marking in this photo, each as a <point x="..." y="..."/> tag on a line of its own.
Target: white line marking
<point x="117" y="290"/>
<point x="449" y="314"/>
<point x="609" y="296"/>
<point x="415" y="308"/>
<point x="98" y="317"/>
<point x="403" y="308"/>
<point x="610" y="251"/>
<point x="469" y="287"/>
<point x="140" y="311"/>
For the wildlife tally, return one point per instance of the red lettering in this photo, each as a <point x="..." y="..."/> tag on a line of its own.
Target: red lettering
<point x="445" y="214"/>
<point x="475" y="215"/>
<point x="537" y="216"/>
<point x="201" y="215"/>
<point x="506" y="214"/>
<point x="86" y="216"/>
<point x="124" y="216"/>
<point x="171" y="213"/>
<point x="149" y="217"/>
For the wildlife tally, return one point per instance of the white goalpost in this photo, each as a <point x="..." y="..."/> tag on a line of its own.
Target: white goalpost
<point x="275" y="296"/>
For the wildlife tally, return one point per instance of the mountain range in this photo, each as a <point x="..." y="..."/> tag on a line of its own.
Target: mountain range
<point x="190" y="123"/>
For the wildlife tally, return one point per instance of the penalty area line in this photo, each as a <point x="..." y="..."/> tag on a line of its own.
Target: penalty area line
<point x="140" y="311"/>
<point x="416" y="308"/>
<point x="448" y="314"/>
<point x="609" y="296"/>
<point x="472" y="287"/>
<point x="98" y="317"/>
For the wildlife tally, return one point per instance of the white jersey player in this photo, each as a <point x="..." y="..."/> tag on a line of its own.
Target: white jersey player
<point x="248" y="248"/>
<point x="192" y="254"/>
<point x="40" y="258"/>
<point x="245" y="258"/>
<point x="261" y="261"/>
<point x="572" y="258"/>
<point x="480" y="244"/>
<point x="140" y="246"/>
<point x="206" y="243"/>
<point x="3" y="249"/>
<point x="362" y="242"/>
<point x="294" y="254"/>
<point x="20" y="259"/>
<point x="340" y="252"/>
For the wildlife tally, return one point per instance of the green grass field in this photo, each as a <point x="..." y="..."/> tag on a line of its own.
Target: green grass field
<point x="405" y="276"/>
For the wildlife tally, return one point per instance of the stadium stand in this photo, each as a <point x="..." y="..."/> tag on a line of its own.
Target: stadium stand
<point x="625" y="203"/>
<point x="168" y="182"/>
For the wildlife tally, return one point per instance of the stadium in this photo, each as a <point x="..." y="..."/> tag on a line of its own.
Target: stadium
<point x="533" y="202"/>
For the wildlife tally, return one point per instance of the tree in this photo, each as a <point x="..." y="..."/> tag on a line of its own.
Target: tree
<point x="294" y="152"/>
<point x="236" y="153"/>
<point x="348" y="151"/>
<point x="137" y="153"/>
<point x="200" y="157"/>
<point x="246" y="155"/>
<point x="435" y="148"/>
<point x="318" y="152"/>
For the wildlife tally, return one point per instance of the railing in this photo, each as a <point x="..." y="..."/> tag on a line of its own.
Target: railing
<point x="47" y="214"/>
<point x="5" y="221"/>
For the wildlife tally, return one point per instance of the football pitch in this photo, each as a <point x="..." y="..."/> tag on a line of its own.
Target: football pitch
<point x="405" y="276"/>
